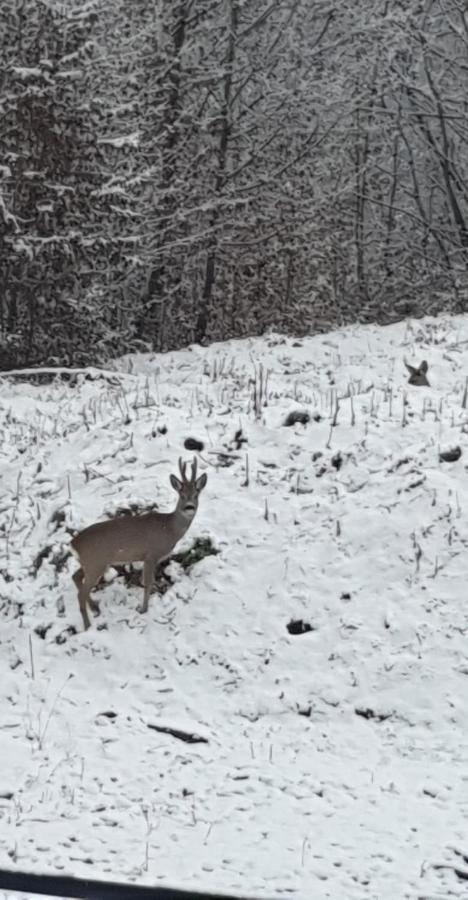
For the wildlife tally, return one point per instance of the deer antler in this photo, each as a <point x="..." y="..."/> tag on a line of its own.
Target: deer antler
<point x="194" y="470"/>
<point x="182" y="467"/>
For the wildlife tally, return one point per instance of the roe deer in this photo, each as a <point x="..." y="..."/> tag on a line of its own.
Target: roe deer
<point x="418" y="375"/>
<point x="147" y="538"/>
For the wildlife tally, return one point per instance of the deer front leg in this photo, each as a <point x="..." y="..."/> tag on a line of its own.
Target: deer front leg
<point x="94" y="606"/>
<point x="148" y="579"/>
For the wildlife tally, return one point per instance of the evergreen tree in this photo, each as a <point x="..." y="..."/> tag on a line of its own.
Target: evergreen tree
<point x="64" y="214"/>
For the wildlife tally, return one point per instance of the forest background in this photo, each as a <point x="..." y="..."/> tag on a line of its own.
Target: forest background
<point x="185" y="171"/>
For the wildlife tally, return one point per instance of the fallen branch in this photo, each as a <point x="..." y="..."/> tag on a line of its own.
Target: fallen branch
<point x="185" y="736"/>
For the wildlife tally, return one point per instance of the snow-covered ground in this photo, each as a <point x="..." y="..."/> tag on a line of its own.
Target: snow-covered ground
<point x="336" y="761"/>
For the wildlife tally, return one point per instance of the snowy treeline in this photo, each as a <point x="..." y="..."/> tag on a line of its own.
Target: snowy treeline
<point x="199" y="169"/>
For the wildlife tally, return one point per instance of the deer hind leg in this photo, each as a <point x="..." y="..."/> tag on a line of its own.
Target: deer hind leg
<point x="78" y="578"/>
<point x="83" y="597"/>
<point x="148" y="579"/>
<point x="85" y="582"/>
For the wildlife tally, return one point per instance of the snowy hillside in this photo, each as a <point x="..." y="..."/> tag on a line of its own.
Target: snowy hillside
<point x="333" y="763"/>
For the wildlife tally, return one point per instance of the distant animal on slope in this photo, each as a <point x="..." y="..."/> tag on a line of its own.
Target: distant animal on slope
<point x="147" y="538"/>
<point x="418" y="374"/>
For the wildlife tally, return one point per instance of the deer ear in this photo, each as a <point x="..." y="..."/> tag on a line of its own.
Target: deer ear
<point x="176" y="484"/>
<point x="200" y="482"/>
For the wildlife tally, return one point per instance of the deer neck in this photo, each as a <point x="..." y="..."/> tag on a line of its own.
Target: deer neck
<point x="180" y="521"/>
